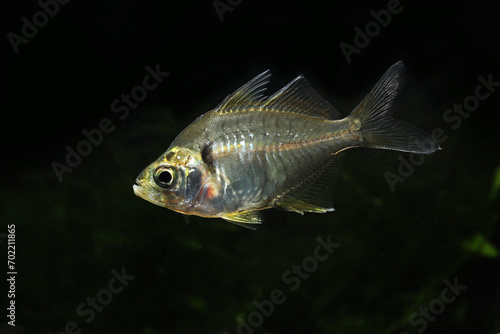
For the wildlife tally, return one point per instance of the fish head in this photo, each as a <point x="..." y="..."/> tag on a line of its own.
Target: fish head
<point x="173" y="181"/>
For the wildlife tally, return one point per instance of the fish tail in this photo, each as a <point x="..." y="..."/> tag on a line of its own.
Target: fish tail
<point x="379" y="129"/>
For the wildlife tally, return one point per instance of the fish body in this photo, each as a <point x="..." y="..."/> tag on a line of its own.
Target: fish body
<point x="254" y="152"/>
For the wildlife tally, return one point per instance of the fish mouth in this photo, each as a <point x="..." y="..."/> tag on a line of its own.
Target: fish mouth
<point x="139" y="191"/>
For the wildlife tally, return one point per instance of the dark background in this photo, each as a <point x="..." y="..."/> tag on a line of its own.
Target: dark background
<point x="203" y="275"/>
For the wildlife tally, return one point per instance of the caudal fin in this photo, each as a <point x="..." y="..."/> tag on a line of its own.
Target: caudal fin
<point x="379" y="129"/>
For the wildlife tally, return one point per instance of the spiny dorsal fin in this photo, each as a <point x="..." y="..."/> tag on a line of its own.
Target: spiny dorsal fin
<point x="298" y="96"/>
<point x="250" y="92"/>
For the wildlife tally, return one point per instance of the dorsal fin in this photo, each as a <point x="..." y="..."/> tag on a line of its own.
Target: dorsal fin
<point x="298" y="96"/>
<point x="250" y="92"/>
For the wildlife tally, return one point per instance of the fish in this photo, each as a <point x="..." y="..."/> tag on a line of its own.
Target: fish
<point x="255" y="152"/>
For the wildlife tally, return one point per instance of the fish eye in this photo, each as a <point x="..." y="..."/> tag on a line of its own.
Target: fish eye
<point x="165" y="176"/>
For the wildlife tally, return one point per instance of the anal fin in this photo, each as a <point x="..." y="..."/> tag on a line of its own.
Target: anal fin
<point x="315" y="193"/>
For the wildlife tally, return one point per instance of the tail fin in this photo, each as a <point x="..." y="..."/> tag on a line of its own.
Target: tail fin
<point x="379" y="129"/>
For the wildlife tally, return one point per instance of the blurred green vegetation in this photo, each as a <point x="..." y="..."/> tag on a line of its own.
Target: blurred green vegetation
<point x="203" y="275"/>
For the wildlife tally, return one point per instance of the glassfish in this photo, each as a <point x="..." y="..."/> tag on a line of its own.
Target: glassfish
<point x="254" y="152"/>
